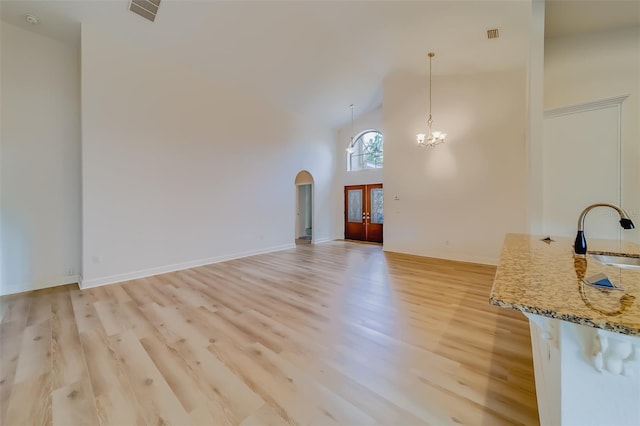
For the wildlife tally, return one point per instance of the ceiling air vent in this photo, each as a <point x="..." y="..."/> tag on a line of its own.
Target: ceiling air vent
<point x="145" y="8"/>
<point x="493" y="33"/>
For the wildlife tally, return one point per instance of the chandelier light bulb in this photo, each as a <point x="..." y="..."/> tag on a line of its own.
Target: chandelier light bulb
<point x="31" y="19"/>
<point x="351" y="149"/>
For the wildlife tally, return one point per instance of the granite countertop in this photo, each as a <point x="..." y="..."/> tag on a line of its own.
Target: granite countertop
<point x="546" y="279"/>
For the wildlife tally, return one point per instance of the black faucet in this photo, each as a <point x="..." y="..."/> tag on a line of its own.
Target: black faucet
<point x="580" y="246"/>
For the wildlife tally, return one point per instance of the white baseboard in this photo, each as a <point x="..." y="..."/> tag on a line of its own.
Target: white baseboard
<point x="134" y="275"/>
<point x="321" y="240"/>
<point x="482" y="260"/>
<point x="40" y="284"/>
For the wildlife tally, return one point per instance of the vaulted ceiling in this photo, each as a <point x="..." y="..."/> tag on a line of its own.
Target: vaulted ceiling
<point x="311" y="57"/>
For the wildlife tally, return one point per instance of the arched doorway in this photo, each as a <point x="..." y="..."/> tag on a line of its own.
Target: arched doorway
<point x="304" y="207"/>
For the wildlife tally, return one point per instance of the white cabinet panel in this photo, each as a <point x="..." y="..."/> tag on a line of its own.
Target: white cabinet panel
<point x="581" y="166"/>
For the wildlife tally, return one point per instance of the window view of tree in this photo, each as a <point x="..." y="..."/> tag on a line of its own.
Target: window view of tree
<point x="366" y="152"/>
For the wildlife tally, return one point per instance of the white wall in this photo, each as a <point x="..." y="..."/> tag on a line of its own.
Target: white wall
<point x="372" y="120"/>
<point x="40" y="162"/>
<point x="179" y="170"/>
<point x="456" y="200"/>
<point x="534" y="123"/>
<point x="595" y="66"/>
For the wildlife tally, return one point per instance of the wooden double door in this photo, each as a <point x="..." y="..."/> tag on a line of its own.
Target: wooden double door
<point x="363" y="212"/>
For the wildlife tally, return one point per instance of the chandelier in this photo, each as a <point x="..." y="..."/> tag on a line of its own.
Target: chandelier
<point x="432" y="138"/>
<point x="351" y="149"/>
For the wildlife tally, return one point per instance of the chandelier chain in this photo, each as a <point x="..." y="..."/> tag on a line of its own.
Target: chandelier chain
<point x="351" y="106"/>
<point x="430" y="90"/>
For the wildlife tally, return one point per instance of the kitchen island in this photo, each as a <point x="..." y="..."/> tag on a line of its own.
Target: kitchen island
<point x="585" y="340"/>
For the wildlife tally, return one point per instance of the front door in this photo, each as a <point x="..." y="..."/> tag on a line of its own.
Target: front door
<point x="363" y="212"/>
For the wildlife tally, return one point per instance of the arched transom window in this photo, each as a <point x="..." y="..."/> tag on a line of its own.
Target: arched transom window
<point x="365" y="152"/>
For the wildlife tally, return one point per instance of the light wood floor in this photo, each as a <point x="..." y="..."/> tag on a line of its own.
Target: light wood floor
<point x="337" y="333"/>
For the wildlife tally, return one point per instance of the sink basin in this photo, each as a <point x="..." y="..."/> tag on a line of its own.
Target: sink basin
<point x="617" y="260"/>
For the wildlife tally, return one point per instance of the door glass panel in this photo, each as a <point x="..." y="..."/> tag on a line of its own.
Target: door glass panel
<point x="355" y="205"/>
<point x="377" y="215"/>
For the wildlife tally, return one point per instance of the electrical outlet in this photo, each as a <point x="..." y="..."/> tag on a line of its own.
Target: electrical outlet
<point x="95" y="259"/>
<point x="70" y="272"/>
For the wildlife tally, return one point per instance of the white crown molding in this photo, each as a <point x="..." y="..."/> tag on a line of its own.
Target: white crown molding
<point x="587" y="106"/>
